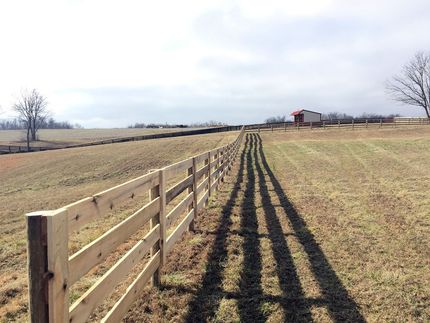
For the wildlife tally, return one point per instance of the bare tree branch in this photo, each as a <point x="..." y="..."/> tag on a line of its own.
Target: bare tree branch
<point x="32" y="112"/>
<point x="412" y="86"/>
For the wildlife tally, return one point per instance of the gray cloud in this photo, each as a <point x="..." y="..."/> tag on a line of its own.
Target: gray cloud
<point x="262" y="67"/>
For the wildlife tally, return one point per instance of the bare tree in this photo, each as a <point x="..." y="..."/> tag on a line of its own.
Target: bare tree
<point x="31" y="108"/>
<point x="412" y="86"/>
<point x="276" y="119"/>
<point x="336" y="116"/>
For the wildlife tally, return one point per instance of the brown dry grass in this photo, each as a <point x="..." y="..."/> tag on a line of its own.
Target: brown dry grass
<point x="48" y="180"/>
<point x="317" y="225"/>
<point x="324" y="227"/>
<point x="61" y="137"/>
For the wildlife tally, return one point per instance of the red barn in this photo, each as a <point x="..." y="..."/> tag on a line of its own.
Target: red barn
<point x="306" y="116"/>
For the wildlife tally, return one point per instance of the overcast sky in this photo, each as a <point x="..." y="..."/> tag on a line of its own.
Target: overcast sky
<point x="112" y="63"/>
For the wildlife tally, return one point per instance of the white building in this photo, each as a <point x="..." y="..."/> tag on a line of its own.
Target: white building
<point x="306" y="116"/>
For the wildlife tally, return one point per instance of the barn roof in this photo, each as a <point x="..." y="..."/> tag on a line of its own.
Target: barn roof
<point x="297" y="112"/>
<point x="294" y="113"/>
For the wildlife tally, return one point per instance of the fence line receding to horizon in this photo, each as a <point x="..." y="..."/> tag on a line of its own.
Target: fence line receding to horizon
<point x="52" y="271"/>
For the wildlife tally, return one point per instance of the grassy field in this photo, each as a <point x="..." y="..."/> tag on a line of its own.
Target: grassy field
<point x="48" y="180"/>
<point x="61" y="137"/>
<point x="310" y="226"/>
<point x="317" y="226"/>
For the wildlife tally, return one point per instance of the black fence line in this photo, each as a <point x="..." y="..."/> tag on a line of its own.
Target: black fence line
<point x="8" y="149"/>
<point x="339" y="122"/>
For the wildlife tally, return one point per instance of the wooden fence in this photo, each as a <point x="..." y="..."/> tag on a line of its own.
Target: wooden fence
<point x="340" y="123"/>
<point x="52" y="271"/>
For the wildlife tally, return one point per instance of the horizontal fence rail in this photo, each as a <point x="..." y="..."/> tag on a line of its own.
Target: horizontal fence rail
<point x="340" y="123"/>
<point x="170" y="212"/>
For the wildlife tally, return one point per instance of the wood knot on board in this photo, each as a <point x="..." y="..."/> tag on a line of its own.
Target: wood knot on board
<point x="48" y="275"/>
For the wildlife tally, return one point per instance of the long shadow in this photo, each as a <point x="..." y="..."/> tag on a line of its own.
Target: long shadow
<point x="249" y="303"/>
<point x="340" y="305"/>
<point x="208" y="296"/>
<point x="297" y="308"/>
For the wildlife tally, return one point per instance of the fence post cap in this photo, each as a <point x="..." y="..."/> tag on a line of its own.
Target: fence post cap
<point x="38" y="213"/>
<point x="46" y="212"/>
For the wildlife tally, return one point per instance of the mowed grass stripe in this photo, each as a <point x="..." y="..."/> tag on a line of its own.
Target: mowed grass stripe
<point x="379" y="222"/>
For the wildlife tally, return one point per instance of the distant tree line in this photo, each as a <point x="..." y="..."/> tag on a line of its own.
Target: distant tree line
<point x="276" y="119"/>
<point x="337" y="116"/>
<point x="156" y="125"/>
<point x="365" y="115"/>
<point x="51" y="123"/>
<point x="211" y="123"/>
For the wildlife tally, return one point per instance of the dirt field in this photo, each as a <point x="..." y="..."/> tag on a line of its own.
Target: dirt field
<point x="48" y="180"/>
<point x="315" y="227"/>
<point x="61" y="137"/>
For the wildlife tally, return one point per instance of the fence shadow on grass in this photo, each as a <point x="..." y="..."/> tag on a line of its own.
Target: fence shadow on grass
<point x="250" y="295"/>
<point x="341" y="307"/>
<point x="295" y="306"/>
<point x="250" y="298"/>
<point x="207" y="299"/>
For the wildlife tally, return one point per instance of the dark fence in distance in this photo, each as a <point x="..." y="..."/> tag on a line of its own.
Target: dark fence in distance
<point x="6" y="149"/>
<point x="289" y="125"/>
<point x="339" y="123"/>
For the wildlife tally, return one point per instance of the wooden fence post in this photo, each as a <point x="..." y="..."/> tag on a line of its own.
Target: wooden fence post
<point x="338" y="123"/>
<point x="228" y="154"/>
<point x="37" y="267"/>
<point x="285" y="126"/>
<point x="367" y="123"/>
<point x="272" y="127"/>
<point x="352" y="124"/>
<point x="48" y="266"/>
<point x="195" y="197"/>
<point x="232" y="154"/>
<point x="190" y="171"/>
<point x="207" y="175"/>
<point x="58" y="264"/>
<point x="216" y="168"/>
<point x="153" y="194"/>
<point x="311" y="125"/>
<point x="162" y="216"/>
<point x="222" y="165"/>
<point x="380" y="123"/>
